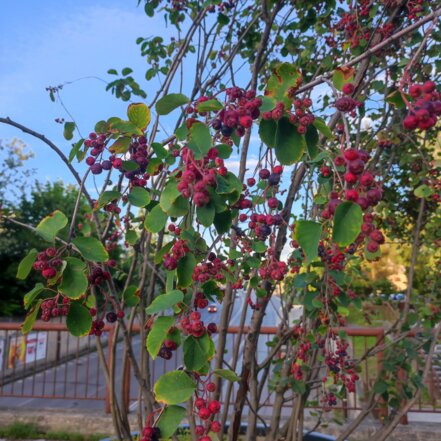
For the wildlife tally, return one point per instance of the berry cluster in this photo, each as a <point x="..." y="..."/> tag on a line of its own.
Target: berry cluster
<point x="167" y="348"/>
<point x="424" y="112"/>
<point x="200" y="301"/>
<point x="193" y="325"/>
<point x="214" y="268"/>
<point x="301" y="116"/>
<point x="272" y="269"/>
<point x="361" y="187"/>
<point x="178" y="251"/>
<point x="347" y="103"/>
<point x="198" y="177"/>
<point x="241" y="109"/>
<point x="97" y="327"/>
<point x="51" y="308"/>
<point x="206" y="409"/>
<point x="150" y="433"/>
<point x="48" y="263"/>
<point x="97" y="276"/>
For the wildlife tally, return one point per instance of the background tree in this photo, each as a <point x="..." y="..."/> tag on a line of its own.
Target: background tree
<point x="301" y="78"/>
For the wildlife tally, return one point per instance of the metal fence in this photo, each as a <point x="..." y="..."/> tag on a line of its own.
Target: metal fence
<point x="52" y="365"/>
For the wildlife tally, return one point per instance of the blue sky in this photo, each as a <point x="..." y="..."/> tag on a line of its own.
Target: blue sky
<point x="51" y="42"/>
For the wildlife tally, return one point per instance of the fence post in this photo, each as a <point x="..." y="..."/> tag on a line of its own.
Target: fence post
<point x="110" y="339"/>
<point x="382" y="410"/>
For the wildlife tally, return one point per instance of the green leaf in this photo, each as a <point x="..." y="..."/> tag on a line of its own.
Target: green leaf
<point x="25" y="266"/>
<point x="32" y="295"/>
<point x="223" y="221"/>
<point x="308" y="235"/>
<point x="165" y="301"/>
<point x="396" y="99"/>
<point x="199" y="140"/>
<point x="139" y="197"/>
<point x="129" y="165"/>
<point x="139" y="114"/>
<point x="74" y="283"/>
<point x="342" y="75"/>
<point x="159" y="150"/>
<point x="267" y="132"/>
<point x="131" y="237"/>
<point x="380" y="387"/>
<point x="30" y="318"/>
<point x="174" y="387"/>
<point x="91" y="249"/>
<point x="155" y="220"/>
<point x="126" y="127"/>
<point x="259" y="247"/>
<point x="289" y="144"/>
<point x="131" y="296"/>
<point x="286" y="77"/>
<point x="121" y="145"/>
<point x="348" y="219"/>
<point x="75" y="151"/>
<point x="49" y="227"/>
<point x="228" y="184"/>
<point x="197" y="352"/>
<point x="322" y="127"/>
<point x="312" y="139"/>
<point x="158" y="334"/>
<point x="423" y="191"/>
<point x="169" y="420"/>
<point x="107" y="197"/>
<point x="186" y="266"/>
<point x="209" y="105"/>
<point x="79" y="320"/>
<point x="68" y="131"/>
<point x="172" y="202"/>
<point x="226" y="374"/>
<point x="206" y="214"/>
<point x="170" y="102"/>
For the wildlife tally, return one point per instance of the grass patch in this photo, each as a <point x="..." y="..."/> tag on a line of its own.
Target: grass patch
<point x="20" y="430"/>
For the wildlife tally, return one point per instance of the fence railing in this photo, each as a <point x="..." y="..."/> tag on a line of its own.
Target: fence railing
<point x="51" y="364"/>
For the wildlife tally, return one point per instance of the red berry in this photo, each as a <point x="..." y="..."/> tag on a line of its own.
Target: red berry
<point x="278" y="169"/>
<point x="264" y="173"/>
<point x="372" y="246"/>
<point x="348" y="89"/>
<point x="204" y="413"/>
<point x="214" y="406"/>
<point x="429" y="87"/>
<point x="410" y="122"/>
<point x="48" y="273"/>
<point x="120" y="314"/>
<point x="251" y="182"/>
<point x="200" y="403"/>
<point x="211" y="387"/>
<point x="350" y="154"/>
<point x="215" y="426"/>
<point x="273" y="203"/>
<point x="199" y="430"/>
<point x="350" y="178"/>
<point x="366" y="179"/>
<point x="351" y="195"/>
<point x="415" y="90"/>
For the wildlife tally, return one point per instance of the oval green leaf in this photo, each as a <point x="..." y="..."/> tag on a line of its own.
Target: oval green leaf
<point x="170" y="102"/>
<point x="91" y="249"/>
<point x="74" y="283"/>
<point x="49" y="227"/>
<point x="348" y="219"/>
<point x="165" y="301"/>
<point x="174" y="387"/>
<point x="25" y="266"/>
<point x="157" y="334"/>
<point x="139" y="197"/>
<point x="79" y="320"/>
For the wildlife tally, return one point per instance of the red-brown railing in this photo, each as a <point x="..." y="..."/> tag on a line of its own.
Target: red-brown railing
<point x="51" y="364"/>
